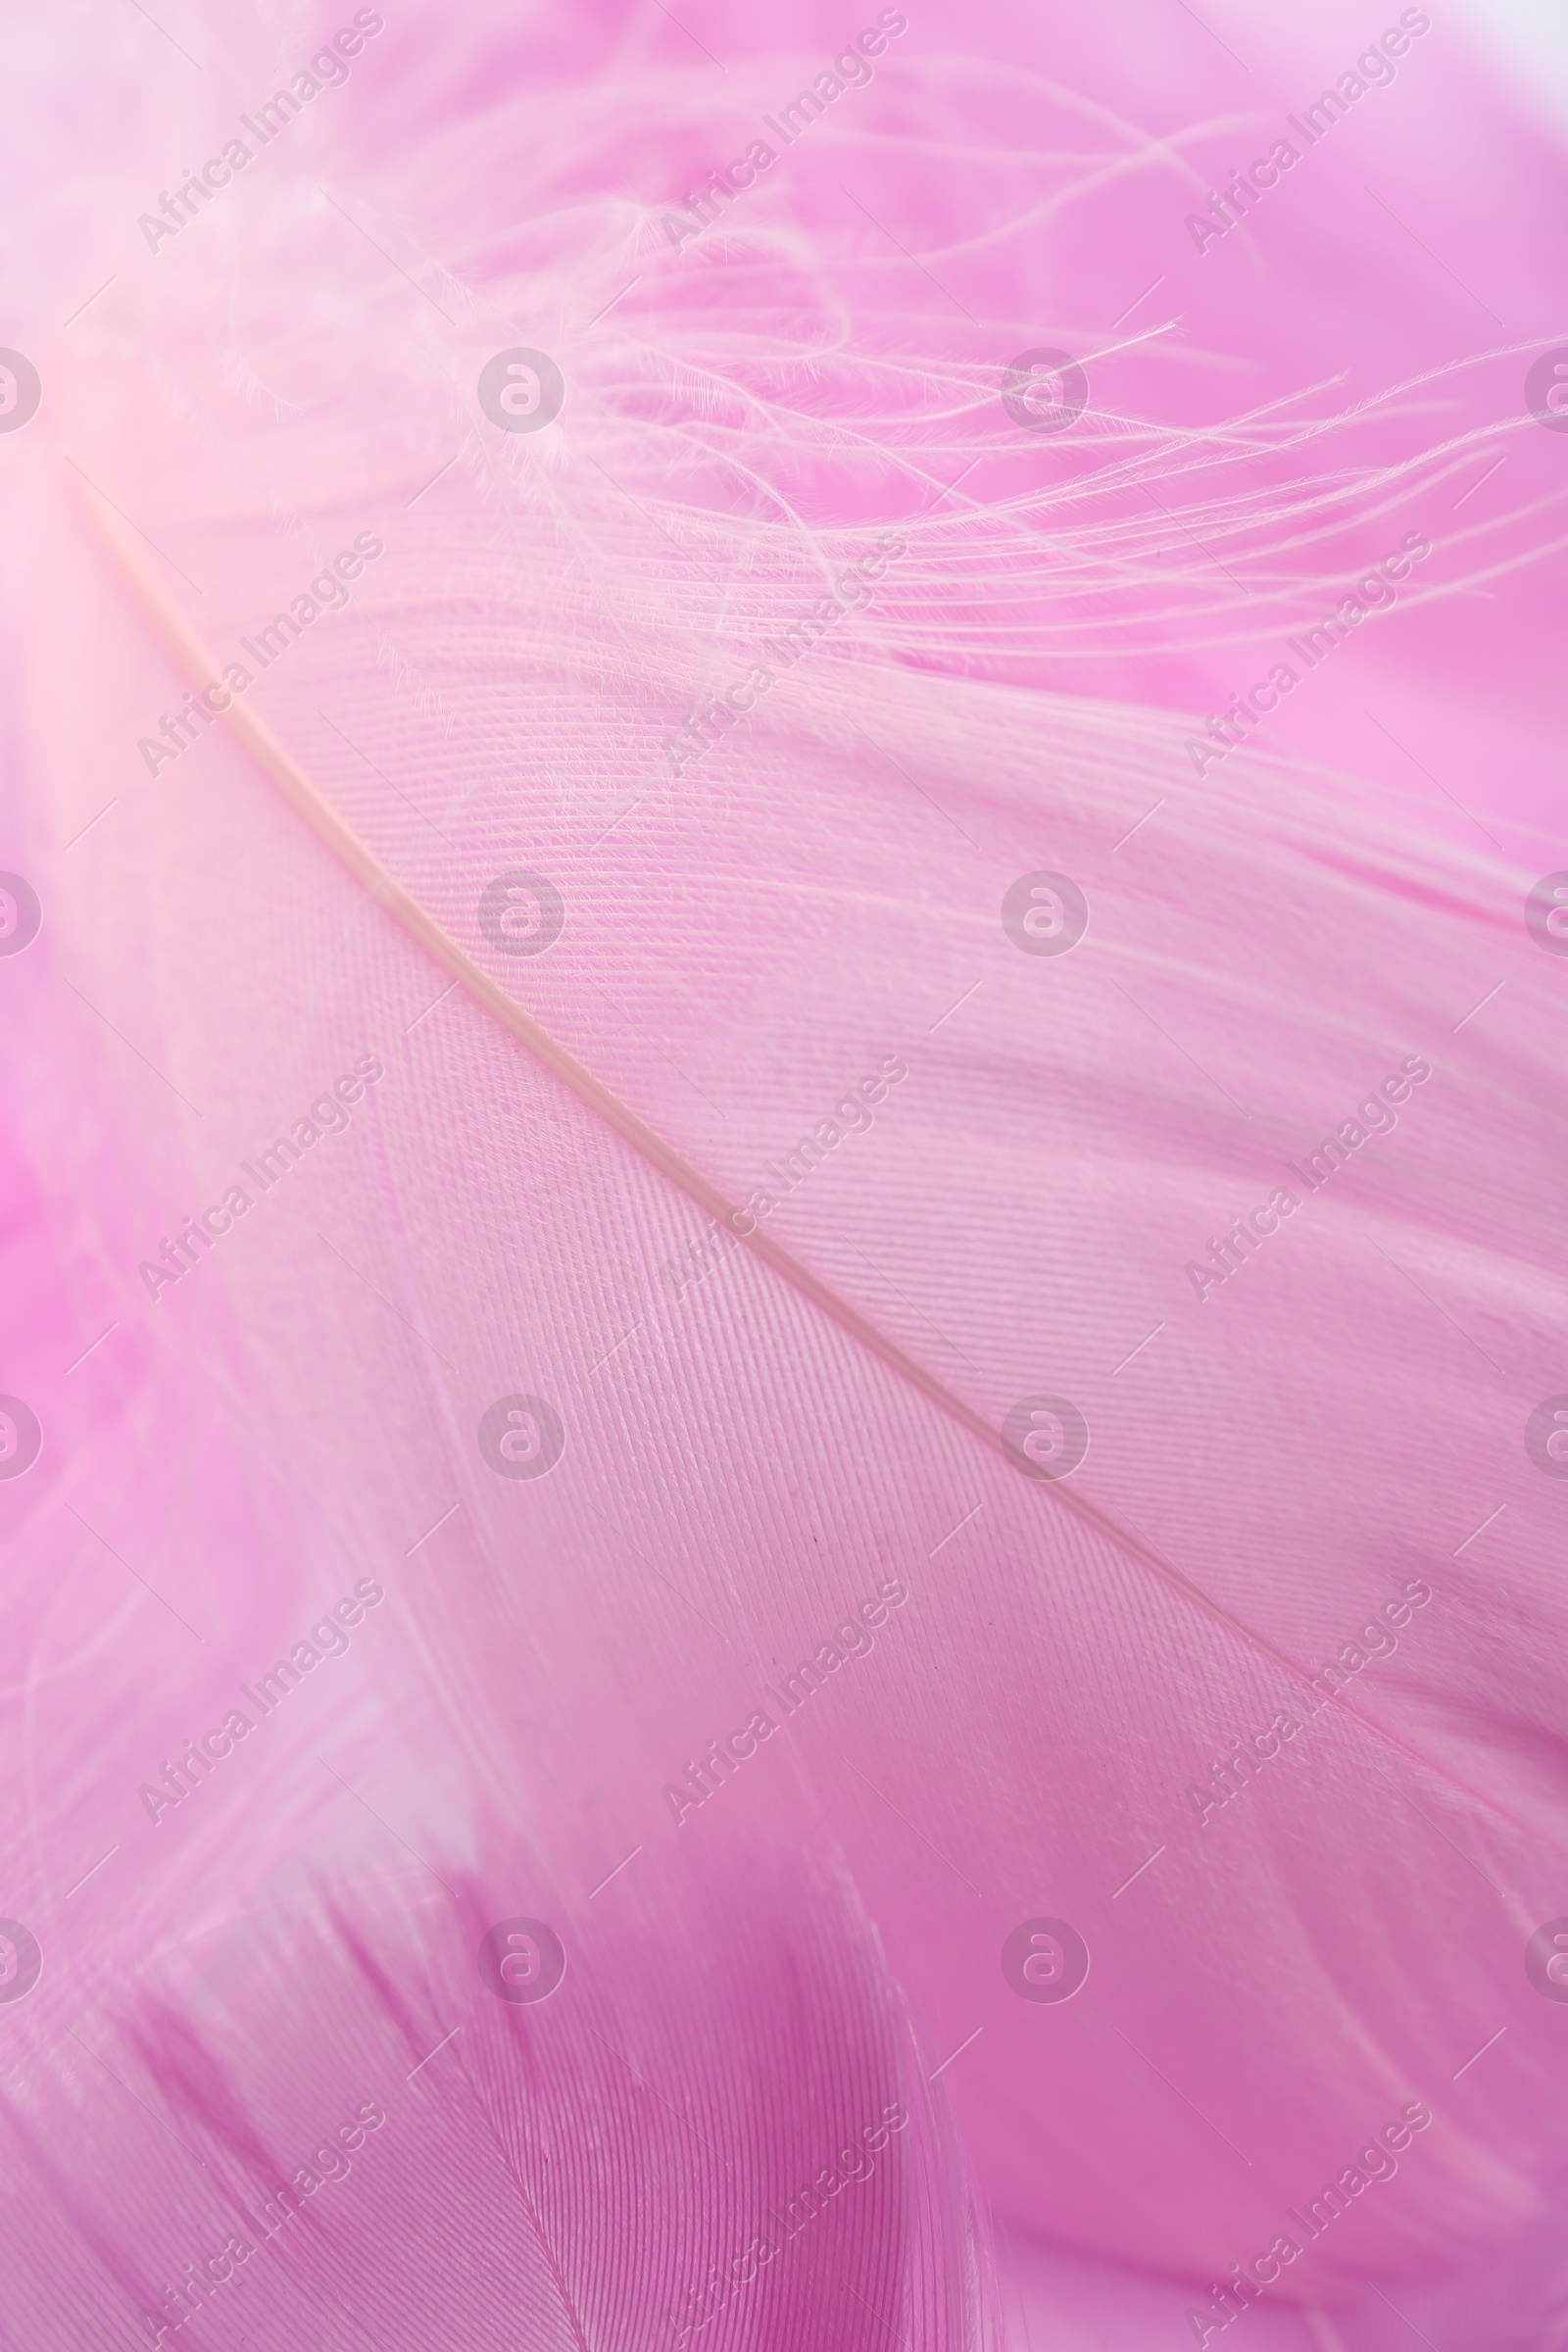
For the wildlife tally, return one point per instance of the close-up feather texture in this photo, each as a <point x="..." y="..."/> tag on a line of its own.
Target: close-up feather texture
<point x="783" y="1408"/>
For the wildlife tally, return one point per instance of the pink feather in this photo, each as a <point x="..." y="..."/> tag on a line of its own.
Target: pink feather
<point x="819" y="1207"/>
